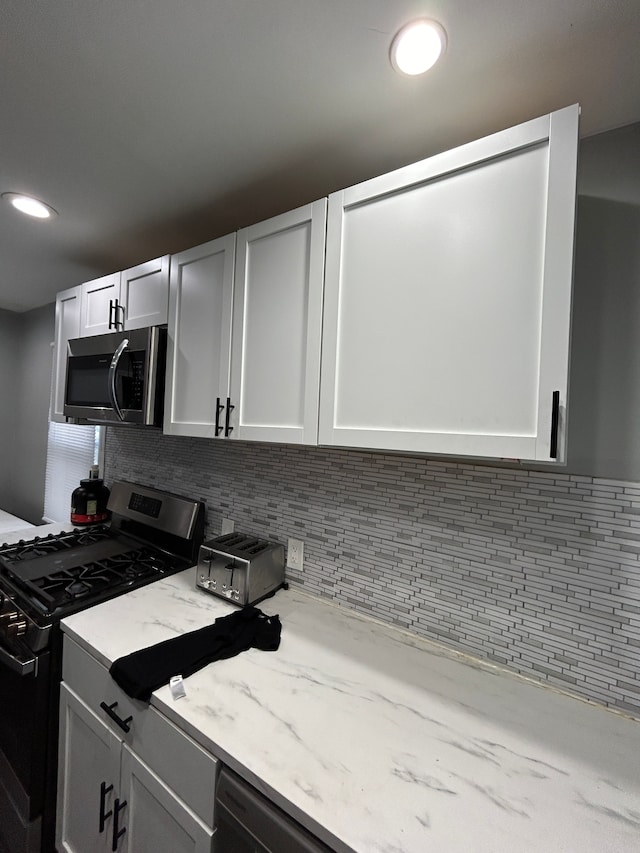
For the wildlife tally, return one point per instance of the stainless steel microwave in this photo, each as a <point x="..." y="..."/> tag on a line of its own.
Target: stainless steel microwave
<point x="117" y="378"/>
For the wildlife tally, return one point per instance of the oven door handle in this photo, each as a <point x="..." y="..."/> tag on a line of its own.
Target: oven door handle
<point x="22" y="667"/>
<point x="112" y="377"/>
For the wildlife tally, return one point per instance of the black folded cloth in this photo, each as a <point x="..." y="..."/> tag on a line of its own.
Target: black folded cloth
<point x="140" y="673"/>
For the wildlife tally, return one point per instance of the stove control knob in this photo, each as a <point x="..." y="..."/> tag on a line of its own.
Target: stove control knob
<point x="16" y="628"/>
<point x="9" y="617"/>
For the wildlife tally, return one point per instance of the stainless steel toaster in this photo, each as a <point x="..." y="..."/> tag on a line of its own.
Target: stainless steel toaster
<point x="241" y="568"/>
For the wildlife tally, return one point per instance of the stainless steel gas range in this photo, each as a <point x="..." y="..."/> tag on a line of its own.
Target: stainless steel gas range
<point x="152" y="534"/>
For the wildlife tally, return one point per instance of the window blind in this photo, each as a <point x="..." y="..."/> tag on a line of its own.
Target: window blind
<point x="71" y="450"/>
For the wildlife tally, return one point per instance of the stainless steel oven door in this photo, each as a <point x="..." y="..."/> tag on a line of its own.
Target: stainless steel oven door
<point x="25" y="740"/>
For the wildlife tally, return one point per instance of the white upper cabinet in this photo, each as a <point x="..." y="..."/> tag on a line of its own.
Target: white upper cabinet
<point x="132" y="299"/>
<point x="99" y="306"/>
<point x="198" y="340"/>
<point x="67" y="326"/>
<point x="277" y="325"/>
<point x="144" y="294"/>
<point x="448" y="297"/>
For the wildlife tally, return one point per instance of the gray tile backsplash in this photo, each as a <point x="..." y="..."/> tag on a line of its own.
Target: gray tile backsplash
<point x="538" y="571"/>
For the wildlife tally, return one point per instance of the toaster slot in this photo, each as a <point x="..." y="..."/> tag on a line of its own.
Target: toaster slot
<point x="229" y="540"/>
<point x="256" y="548"/>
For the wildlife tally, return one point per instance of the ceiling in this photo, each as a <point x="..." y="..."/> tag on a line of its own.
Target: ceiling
<point x="152" y="126"/>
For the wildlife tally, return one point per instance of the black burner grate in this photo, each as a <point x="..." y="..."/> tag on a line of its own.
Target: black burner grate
<point x="61" y="574"/>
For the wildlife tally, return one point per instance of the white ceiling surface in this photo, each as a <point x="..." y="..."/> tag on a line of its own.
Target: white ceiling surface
<point x="152" y="125"/>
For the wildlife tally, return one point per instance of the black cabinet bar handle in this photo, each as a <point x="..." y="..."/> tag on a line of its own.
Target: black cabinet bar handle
<point x="228" y="429"/>
<point x="111" y="308"/>
<point x="119" y="323"/>
<point x="117" y="832"/>
<point x="555" y="417"/>
<point x="104" y="790"/>
<point x="109" y="709"/>
<point x="219" y="408"/>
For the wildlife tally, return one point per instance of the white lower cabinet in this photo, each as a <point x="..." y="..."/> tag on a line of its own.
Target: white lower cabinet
<point x="150" y="789"/>
<point x="155" y="819"/>
<point x="89" y="767"/>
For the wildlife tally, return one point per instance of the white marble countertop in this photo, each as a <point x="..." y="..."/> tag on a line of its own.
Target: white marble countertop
<point x="11" y="533"/>
<point x="377" y="740"/>
<point x="11" y="525"/>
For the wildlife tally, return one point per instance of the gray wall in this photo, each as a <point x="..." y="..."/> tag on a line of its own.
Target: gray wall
<point x="25" y="380"/>
<point x="9" y="367"/>
<point x="604" y="395"/>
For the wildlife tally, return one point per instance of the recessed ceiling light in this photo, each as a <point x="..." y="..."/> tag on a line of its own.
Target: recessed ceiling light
<point x="417" y="47"/>
<point x="29" y="205"/>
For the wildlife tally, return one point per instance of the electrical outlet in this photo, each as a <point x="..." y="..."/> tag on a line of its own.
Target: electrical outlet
<point x="227" y="525"/>
<point x="295" y="554"/>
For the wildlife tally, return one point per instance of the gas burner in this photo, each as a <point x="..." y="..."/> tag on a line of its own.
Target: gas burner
<point x="59" y="589"/>
<point x="90" y="535"/>
<point x="78" y="588"/>
<point x="32" y="549"/>
<point x="37" y="549"/>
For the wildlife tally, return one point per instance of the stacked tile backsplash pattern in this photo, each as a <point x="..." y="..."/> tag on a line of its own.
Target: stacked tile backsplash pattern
<point x="538" y="571"/>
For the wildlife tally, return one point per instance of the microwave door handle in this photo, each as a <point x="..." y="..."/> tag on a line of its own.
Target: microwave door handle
<point x="112" y="377"/>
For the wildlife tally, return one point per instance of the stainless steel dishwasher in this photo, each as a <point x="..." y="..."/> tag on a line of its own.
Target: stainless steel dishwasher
<point x="247" y="822"/>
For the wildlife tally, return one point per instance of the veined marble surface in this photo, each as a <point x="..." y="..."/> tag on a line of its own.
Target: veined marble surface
<point x="11" y="533"/>
<point x="381" y="742"/>
<point x="10" y="523"/>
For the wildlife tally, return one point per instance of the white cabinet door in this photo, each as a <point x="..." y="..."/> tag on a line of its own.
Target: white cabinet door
<point x="99" y="307"/>
<point x="277" y="325"/>
<point x="144" y="294"/>
<point x="154" y="820"/>
<point x="199" y="336"/>
<point x="67" y="326"/>
<point x="447" y="300"/>
<point x="88" y="778"/>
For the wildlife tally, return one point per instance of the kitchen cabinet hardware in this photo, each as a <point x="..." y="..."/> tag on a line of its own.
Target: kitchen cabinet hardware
<point x="117" y="832"/>
<point x="114" y="321"/>
<point x="109" y="710"/>
<point x="228" y="429"/>
<point x="104" y="790"/>
<point x="219" y="408"/>
<point x="555" y="417"/>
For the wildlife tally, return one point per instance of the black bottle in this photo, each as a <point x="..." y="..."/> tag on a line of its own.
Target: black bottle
<point x="89" y="500"/>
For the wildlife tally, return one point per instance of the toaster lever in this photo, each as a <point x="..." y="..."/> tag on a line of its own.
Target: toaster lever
<point x="230" y="567"/>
